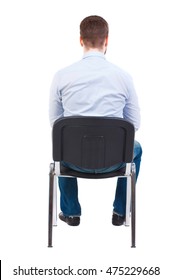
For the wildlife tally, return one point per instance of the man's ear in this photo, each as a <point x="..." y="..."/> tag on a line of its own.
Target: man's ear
<point x="106" y="41"/>
<point x="81" y="42"/>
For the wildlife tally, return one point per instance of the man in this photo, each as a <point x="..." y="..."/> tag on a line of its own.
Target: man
<point x="93" y="87"/>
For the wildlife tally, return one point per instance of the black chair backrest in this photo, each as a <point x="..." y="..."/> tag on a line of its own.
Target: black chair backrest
<point x="93" y="142"/>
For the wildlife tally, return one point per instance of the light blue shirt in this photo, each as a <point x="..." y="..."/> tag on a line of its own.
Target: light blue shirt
<point x="93" y="87"/>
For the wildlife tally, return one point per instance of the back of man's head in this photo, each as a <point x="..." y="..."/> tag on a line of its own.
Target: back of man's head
<point x="93" y="31"/>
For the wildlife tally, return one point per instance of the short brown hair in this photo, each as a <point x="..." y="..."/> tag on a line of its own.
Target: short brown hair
<point x="93" y="31"/>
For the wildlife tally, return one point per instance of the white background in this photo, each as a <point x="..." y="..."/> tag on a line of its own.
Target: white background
<point x="38" y="38"/>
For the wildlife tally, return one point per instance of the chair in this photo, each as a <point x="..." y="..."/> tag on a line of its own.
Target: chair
<point x="92" y="142"/>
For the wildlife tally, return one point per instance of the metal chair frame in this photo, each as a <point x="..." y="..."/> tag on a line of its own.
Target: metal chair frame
<point x="57" y="169"/>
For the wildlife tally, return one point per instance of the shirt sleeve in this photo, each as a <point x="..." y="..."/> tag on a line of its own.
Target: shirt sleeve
<point x="55" y="103"/>
<point x="131" y="110"/>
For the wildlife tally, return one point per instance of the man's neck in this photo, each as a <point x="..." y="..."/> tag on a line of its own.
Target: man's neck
<point x="86" y="50"/>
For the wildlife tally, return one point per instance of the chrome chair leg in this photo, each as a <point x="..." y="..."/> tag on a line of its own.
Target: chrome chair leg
<point x="128" y="202"/>
<point x="133" y="207"/>
<point x="50" y="212"/>
<point x="55" y="202"/>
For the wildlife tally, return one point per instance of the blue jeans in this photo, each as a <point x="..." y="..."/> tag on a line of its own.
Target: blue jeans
<point x="69" y="202"/>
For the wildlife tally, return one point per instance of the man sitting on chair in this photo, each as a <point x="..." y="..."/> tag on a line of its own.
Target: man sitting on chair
<point x="94" y="87"/>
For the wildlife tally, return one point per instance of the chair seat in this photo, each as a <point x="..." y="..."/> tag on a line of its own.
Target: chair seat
<point x="70" y="172"/>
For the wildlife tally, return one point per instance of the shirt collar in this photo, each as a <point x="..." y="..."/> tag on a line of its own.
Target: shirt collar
<point x="93" y="54"/>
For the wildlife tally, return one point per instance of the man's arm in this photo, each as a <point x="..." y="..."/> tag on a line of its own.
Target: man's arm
<point x="55" y="103"/>
<point x="131" y="110"/>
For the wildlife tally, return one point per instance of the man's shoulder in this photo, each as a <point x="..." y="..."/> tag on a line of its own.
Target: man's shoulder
<point x="119" y="69"/>
<point x="69" y="67"/>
